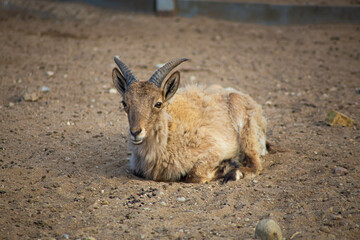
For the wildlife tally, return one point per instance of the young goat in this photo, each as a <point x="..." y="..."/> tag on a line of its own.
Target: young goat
<point x="197" y="135"/>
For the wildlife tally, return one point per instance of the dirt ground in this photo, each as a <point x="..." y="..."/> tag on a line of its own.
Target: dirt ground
<point x="63" y="157"/>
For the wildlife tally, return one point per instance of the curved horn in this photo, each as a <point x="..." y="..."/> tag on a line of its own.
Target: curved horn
<point x="129" y="76"/>
<point x="158" y="77"/>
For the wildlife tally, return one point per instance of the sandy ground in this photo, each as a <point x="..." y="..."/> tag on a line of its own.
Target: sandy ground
<point x="63" y="157"/>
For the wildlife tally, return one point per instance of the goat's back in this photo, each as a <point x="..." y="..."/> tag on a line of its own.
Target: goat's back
<point x="205" y="118"/>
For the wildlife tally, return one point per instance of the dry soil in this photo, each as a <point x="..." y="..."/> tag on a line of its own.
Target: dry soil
<point x="63" y="155"/>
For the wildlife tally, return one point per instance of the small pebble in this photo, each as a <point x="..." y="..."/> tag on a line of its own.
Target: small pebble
<point x="66" y="236"/>
<point x="162" y="203"/>
<point x="340" y="171"/>
<point x="11" y="104"/>
<point x="246" y="219"/>
<point x="337" y="118"/>
<point x="69" y="123"/>
<point x="113" y="91"/>
<point x="255" y="181"/>
<point x="50" y="73"/>
<point x="217" y="38"/>
<point x="268" y="229"/>
<point x="336" y="217"/>
<point x="181" y="199"/>
<point x="325" y="229"/>
<point x="45" y="89"/>
<point x="31" y="97"/>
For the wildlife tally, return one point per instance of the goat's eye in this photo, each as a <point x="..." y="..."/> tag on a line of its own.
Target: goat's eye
<point x="158" y="104"/>
<point x="124" y="104"/>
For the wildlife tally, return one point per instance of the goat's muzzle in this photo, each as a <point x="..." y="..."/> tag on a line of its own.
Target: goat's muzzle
<point x="137" y="136"/>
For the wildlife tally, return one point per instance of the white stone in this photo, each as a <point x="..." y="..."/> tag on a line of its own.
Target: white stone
<point x="181" y="199"/>
<point x="45" y="89"/>
<point x="113" y="91"/>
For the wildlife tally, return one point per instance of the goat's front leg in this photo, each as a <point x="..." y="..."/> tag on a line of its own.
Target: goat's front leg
<point x="204" y="168"/>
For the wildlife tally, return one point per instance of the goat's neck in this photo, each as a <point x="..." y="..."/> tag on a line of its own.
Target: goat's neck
<point x="149" y="155"/>
<point x="158" y="136"/>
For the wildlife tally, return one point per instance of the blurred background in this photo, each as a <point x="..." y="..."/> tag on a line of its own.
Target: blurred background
<point x="268" y="12"/>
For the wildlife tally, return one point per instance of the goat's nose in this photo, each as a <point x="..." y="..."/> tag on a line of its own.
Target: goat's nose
<point x="135" y="132"/>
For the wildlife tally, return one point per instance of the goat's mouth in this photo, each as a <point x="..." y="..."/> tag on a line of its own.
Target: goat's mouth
<point x="137" y="141"/>
<point x="138" y="138"/>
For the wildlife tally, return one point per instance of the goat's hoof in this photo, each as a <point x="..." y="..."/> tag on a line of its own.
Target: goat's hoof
<point x="233" y="175"/>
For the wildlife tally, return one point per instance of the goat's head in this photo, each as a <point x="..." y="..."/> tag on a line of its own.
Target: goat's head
<point x="143" y="101"/>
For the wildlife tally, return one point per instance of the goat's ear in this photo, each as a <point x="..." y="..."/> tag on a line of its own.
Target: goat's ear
<point x="171" y="85"/>
<point x="119" y="81"/>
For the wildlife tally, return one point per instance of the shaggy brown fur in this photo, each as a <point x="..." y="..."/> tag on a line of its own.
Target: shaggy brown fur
<point x="197" y="134"/>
